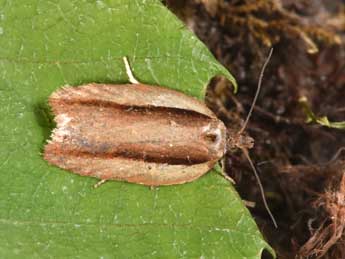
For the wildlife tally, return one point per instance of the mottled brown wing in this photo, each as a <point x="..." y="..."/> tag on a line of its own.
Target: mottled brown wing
<point x="133" y="95"/>
<point x="135" y="171"/>
<point x="136" y="133"/>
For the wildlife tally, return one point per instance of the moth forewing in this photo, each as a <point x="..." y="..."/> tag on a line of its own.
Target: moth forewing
<point x="137" y="133"/>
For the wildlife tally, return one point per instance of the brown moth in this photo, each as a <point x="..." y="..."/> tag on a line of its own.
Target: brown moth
<point x="140" y="133"/>
<point x="137" y="133"/>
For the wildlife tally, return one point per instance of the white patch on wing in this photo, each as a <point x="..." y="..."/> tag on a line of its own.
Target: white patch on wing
<point x="62" y="128"/>
<point x="206" y="128"/>
<point x="218" y="141"/>
<point x="218" y="133"/>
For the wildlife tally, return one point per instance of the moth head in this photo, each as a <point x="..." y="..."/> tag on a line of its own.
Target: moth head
<point x="238" y="140"/>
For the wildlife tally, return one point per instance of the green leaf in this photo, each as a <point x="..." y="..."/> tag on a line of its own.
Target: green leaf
<point x="311" y="117"/>
<point x="48" y="212"/>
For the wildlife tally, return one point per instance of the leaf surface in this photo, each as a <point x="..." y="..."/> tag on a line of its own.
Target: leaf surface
<point x="48" y="212"/>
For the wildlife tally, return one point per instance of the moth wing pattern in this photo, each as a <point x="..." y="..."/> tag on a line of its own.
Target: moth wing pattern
<point x="133" y="95"/>
<point x="150" y="174"/>
<point x="143" y="134"/>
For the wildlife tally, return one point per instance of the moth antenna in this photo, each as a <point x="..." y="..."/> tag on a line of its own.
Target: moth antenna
<point x="131" y="78"/>
<point x="245" y="152"/>
<point x="257" y="92"/>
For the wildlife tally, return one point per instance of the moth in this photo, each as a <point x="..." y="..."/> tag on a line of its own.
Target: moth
<point x="137" y="133"/>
